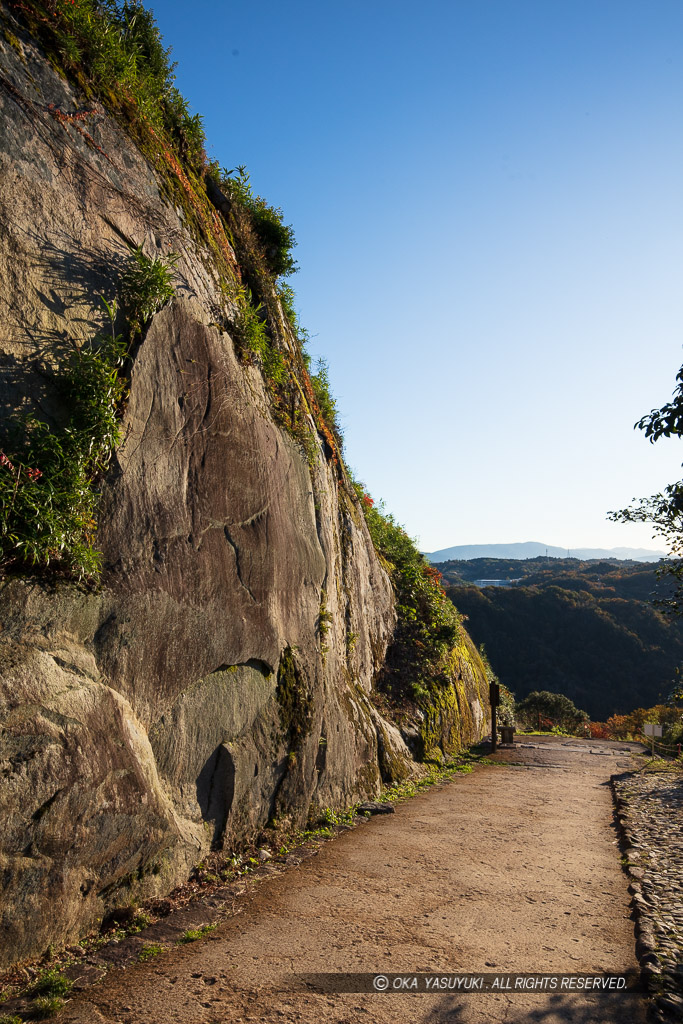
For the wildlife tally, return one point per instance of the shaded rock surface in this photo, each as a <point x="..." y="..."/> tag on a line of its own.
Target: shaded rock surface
<point x="194" y="695"/>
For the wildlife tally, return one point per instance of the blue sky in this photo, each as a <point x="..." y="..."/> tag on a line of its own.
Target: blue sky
<point x="487" y="200"/>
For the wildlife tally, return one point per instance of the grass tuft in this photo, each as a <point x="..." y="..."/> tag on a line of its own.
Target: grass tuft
<point x="46" y="1006"/>
<point x="149" y="951"/>
<point x="51" y="983"/>
<point x="192" y="934"/>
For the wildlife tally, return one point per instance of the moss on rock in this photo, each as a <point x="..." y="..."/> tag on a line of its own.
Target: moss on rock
<point x="295" y="700"/>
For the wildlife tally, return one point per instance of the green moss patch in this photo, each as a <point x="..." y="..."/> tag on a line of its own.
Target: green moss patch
<point x="295" y="699"/>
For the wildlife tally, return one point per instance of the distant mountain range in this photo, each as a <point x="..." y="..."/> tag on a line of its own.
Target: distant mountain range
<point x="532" y="549"/>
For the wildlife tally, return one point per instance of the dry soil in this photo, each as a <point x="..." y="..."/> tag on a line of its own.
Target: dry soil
<point x="514" y="868"/>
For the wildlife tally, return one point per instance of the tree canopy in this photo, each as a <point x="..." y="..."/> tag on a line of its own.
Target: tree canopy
<point x="664" y="510"/>
<point x="542" y="707"/>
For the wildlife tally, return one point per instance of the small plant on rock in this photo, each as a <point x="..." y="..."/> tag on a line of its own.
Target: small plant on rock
<point x="253" y="338"/>
<point x="146" y="286"/>
<point x="48" y="473"/>
<point x="140" y="921"/>
<point x="320" y="382"/>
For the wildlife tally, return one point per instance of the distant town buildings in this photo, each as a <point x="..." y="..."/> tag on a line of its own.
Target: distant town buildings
<point x="498" y="583"/>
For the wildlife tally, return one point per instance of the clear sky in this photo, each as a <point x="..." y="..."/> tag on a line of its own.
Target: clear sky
<point x="488" y="201"/>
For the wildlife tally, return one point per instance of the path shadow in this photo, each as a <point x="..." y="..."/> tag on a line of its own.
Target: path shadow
<point x="549" y="1008"/>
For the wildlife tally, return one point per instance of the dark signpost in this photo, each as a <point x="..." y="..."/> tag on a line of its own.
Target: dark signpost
<point x="494" y="700"/>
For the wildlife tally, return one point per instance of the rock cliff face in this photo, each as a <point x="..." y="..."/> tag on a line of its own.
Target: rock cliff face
<point x="222" y="673"/>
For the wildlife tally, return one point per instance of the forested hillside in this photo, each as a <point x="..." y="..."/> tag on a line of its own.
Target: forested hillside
<point x="589" y="630"/>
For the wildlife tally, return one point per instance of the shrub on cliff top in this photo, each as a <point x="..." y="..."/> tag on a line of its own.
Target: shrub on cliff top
<point x="115" y="50"/>
<point x="276" y="239"/>
<point x="327" y="403"/>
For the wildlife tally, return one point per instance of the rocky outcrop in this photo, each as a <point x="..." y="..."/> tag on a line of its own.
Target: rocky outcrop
<point x="222" y="673"/>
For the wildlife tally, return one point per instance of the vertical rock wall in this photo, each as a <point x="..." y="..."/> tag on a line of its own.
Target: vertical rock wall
<point x="221" y="674"/>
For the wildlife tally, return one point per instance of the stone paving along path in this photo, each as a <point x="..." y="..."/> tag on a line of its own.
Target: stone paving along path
<point x="651" y="813"/>
<point x="511" y="868"/>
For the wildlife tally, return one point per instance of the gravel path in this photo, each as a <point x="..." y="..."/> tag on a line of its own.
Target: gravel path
<point x="515" y="867"/>
<point x="650" y="807"/>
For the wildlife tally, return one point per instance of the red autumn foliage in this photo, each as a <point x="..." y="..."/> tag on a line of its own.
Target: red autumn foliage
<point x="319" y="419"/>
<point x="432" y="573"/>
<point x="32" y="474"/>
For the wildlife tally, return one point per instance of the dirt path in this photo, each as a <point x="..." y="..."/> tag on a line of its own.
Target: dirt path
<point x="511" y="868"/>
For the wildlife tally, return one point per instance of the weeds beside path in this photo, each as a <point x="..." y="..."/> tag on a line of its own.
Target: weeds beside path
<point x="513" y="867"/>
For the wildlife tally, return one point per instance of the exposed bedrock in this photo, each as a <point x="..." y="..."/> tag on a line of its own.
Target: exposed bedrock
<point x="191" y="699"/>
<point x="223" y="672"/>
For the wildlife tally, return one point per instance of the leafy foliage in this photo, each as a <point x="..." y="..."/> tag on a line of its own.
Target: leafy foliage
<point x="253" y="337"/>
<point x="320" y="381"/>
<point x="428" y="625"/>
<point x="192" y="934"/>
<point x="554" y="709"/>
<point x="667" y="421"/>
<point x="48" y="475"/>
<point x="631" y="726"/>
<point x="46" y="1006"/>
<point x="146" y="286"/>
<point x="149" y="951"/>
<point x="664" y="511"/>
<point x="287" y="300"/>
<point x="47" y="501"/>
<point x="275" y="237"/>
<point x="51" y="983"/>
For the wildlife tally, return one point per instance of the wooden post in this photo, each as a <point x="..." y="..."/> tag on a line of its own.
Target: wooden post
<point x="494" y="700"/>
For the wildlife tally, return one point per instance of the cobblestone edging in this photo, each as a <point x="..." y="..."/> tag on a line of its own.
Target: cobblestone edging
<point x="650" y="811"/>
